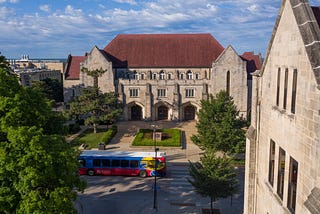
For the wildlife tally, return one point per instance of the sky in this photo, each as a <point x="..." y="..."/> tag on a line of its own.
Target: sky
<point x="57" y="28"/>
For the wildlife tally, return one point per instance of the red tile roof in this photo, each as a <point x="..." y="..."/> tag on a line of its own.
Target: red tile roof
<point x="254" y="62"/>
<point x="165" y="50"/>
<point x="73" y="67"/>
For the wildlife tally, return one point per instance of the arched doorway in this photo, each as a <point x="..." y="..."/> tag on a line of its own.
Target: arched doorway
<point x="162" y="113"/>
<point x="189" y="112"/>
<point x="136" y="112"/>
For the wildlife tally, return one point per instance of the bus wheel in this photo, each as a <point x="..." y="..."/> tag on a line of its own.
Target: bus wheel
<point x="90" y="172"/>
<point x="143" y="174"/>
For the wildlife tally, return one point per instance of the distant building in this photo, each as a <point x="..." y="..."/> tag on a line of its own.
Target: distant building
<point x="283" y="141"/>
<point x="27" y="76"/>
<point x="164" y="76"/>
<point x="36" y="70"/>
<point x="26" y="62"/>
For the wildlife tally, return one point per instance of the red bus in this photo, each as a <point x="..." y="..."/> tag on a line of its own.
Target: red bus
<point x="102" y="162"/>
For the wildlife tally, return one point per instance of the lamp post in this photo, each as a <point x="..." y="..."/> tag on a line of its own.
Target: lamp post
<point x="155" y="168"/>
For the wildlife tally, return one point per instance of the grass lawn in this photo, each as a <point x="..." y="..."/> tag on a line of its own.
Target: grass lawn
<point x="170" y="138"/>
<point x="89" y="138"/>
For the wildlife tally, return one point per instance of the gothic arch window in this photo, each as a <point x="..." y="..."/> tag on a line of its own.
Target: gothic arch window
<point x="228" y="83"/>
<point x="294" y="91"/>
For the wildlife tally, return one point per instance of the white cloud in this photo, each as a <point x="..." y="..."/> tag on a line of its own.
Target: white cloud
<point x="132" y="2"/>
<point x="45" y="8"/>
<point x="70" y="10"/>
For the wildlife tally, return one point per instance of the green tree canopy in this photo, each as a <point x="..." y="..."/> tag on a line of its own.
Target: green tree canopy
<point x="213" y="177"/>
<point x="52" y="88"/>
<point x="219" y="127"/>
<point x="38" y="169"/>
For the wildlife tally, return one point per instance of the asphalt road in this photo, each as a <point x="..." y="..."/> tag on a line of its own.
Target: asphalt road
<point x="135" y="195"/>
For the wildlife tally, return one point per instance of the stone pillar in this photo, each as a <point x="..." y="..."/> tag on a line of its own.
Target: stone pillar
<point x="176" y="103"/>
<point x="148" y="102"/>
<point x="205" y="93"/>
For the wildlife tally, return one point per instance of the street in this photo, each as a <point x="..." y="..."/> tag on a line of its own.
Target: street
<point x="118" y="194"/>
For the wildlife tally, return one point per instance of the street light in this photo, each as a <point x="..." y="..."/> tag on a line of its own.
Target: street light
<point x="155" y="168"/>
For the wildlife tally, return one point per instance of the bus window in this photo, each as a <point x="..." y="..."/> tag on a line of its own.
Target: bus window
<point x="115" y="163"/>
<point x="105" y="162"/>
<point x="82" y="162"/>
<point x="134" y="164"/>
<point x="124" y="163"/>
<point x="96" y="162"/>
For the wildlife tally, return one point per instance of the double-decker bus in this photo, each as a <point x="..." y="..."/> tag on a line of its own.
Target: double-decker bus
<point x="102" y="162"/>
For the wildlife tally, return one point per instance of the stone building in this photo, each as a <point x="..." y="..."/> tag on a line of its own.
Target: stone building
<point x="164" y="76"/>
<point x="283" y="141"/>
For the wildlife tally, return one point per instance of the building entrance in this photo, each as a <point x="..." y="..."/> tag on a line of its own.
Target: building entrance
<point x="162" y="113"/>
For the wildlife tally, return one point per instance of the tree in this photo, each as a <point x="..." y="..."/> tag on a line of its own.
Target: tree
<point x="213" y="177"/>
<point x="38" y="168"/>
<point x="219" y="127"/>
<point x="52" y="88"/>
<point x="95" y="107"/>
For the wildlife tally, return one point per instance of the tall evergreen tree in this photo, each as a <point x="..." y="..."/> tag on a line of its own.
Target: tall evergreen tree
<point x="94" y="106"/>
<point x="219" y="127"/>
<point x="213" y="177"/>
<point x="38" y="169"/>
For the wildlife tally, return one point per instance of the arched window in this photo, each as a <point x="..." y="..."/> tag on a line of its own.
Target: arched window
<point x="228" y="83"/>
<point x="135" y="75"/>
<point x="162" y="75"/>
<point x="189" y="75"/>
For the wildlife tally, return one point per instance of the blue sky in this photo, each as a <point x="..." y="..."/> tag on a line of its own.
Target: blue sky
<point x="56" y="28"/>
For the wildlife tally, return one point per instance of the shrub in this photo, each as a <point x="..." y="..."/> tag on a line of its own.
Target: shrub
<point x="108" y="135"/>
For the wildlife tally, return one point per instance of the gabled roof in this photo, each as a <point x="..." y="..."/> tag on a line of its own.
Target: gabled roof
<point x="308" y="21"/>
<point x="73" y="67"/>
<point x="164" y="50"/>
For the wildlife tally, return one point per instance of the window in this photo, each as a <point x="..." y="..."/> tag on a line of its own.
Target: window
<point x="124" y="163"/>
<point x="134" y="164"/>
<point x="154" y="76"/>
<point x="96" y="162"/>
<point x="292" y="188"/>
<point x="181" y="76"/>
<point x="228" y="83"/>
<point x="197" y="76"/>
<point x="134" y="92"/>
<point x="105" y="162"/>
<point x="278" y="87"/>
<point x="115" y="163"/>
<point x="294" y="91"/>
<point x="285" y="89"/>
<point x="169" y="76"/>
<point x="281" y="167"/>
<point x="271" y="162"/>
<point x="82" y="162"/>
<point x="135" y="75"/>
<point x="189" y="75"/>
<point x="142" y="76"/>
<point x="161" y="92"/>
<point x="189" y="92"/>
<point x="162" y="75"/>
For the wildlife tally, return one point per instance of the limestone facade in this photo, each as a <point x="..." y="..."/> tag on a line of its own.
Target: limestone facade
<point x="168" y="92"/>
<point x="283" y="142"/>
